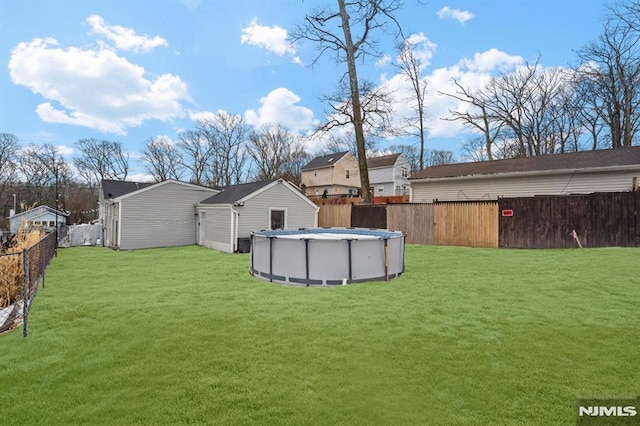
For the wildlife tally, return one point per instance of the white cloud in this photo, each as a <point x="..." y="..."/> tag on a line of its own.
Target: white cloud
<point x="470" y="73"/>
<point x="461" y="16"/>
<point x="124" y="38"/>
<point x="64" y="150"/>
<point x="423" y="49"/>
<point x="383" y="61"/>
<point x="492" y="59"/>
<point x="274" y="39"/>
<point x="280" y="107"/>
<point x="94" y="88"/>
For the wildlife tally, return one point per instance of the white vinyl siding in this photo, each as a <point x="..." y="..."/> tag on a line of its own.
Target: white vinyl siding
<point x="161" y="216"/>
<point x="218" y="227"/>
<point x="482" y="188"/>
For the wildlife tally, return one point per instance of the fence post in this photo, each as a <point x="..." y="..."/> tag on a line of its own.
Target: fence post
<point x="25" y="290"/>
<point x="43" y="263"/>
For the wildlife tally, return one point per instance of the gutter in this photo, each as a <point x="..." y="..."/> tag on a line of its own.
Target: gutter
<point x="631" y="167"/>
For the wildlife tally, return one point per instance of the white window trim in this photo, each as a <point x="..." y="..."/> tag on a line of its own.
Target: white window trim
<point x="278" y="209"/>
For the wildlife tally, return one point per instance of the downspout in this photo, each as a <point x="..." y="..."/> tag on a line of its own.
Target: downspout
<point x="234" y="222"/>
<point x="119" y="222"/>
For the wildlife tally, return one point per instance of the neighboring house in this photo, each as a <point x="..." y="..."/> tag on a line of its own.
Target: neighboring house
<point x="333" y="174"/>
<point x="389" y="175"/>
<point x="228" y="218"/>
<point x="143" y="215"/>
<point x="559" y="174"/>
<point x="43" y="216"/>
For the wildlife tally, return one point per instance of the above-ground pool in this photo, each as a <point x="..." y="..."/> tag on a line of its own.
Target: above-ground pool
<point x="327" y="256"/>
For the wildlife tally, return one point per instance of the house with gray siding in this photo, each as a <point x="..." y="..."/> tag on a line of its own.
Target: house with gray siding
<point x="389" y="175"/>
<point x="611" y="170"/>
<point x="44" y="217"/>
<point x="144" y="215"/>
<point x="228" y="218"/>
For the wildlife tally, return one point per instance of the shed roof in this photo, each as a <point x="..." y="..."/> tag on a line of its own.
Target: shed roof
<point x="38" y="211"/>
<point x="382" y="161"/>
<point x="617" y="157"/>
<point x="233" y="193"/>
<point x="118" y="188"/>
<point x="325" y="160"/>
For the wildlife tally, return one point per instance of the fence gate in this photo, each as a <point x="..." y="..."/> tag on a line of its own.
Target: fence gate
<point x="470" y="224"/>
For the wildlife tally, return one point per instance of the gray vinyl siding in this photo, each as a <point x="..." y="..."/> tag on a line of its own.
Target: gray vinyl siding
<point x="390" y="177"/>
<point x="521" y="186"/>
<point x="254" y="215"/>
<point x="381" y="175"/>
<point x="218" y="227"/>
<point x="162" y="216"/>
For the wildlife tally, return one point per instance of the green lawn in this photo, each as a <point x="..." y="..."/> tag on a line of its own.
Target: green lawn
<point x="185" y="335"/>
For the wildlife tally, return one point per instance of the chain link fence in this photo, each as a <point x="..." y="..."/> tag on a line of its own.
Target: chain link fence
<point x="21" y="273"/>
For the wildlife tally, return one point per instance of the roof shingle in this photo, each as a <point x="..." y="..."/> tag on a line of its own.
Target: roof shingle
<point x="324" y="161"/>
<point x="570" y="161"/>
<point x="118" y="188"/>
<point x="233" y="193"/>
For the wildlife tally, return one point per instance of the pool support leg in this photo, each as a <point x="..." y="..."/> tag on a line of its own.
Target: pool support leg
<point x="350" y="263"/>
<point x="271" y="259"/>
<point x="306" y="258"/>
<point x="386" y="259"/>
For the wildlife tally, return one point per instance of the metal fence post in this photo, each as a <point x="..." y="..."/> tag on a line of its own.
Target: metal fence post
<point x="25" y="290"/>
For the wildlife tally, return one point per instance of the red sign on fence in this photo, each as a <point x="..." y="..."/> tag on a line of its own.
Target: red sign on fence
<point x="507" y="213"/>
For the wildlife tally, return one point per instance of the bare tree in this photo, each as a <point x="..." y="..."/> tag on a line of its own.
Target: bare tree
<point x="438" y="157"/>
<point x="162" y="159"/>
<point x="101" y="159"/>
<point x="276" y="152"/>
<point x="9" y="146"/>
<point x="347" y="142"/>
<point x="411" y="65"/>
<point x="196" y="155"/>
<point x="46" y="175"/>
<point x="333" y="31"/>
<point x="475" y="149"/>
<point x="476" y="117"/>
<point x="519" y="113"/>
<point x="227" y="136"/>
<point x="612" y="67"/>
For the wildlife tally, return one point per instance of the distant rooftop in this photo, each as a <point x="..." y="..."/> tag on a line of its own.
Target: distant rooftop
<point x="569" y="161"/>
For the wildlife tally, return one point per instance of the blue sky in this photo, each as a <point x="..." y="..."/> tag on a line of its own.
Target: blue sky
<point x="133" y="70"/>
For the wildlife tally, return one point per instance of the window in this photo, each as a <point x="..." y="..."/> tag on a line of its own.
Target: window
<point x="380" y="189"/>
<point x="315" y="173"/>
<point x="52" y="223"/>
<point x="277" y="218"/>
<point x="347" y="173"/>
<point x="404" y="172"/>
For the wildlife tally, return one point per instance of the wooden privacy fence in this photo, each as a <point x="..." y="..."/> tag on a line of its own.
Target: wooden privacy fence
<point x="415" y="220"/>
<point x="466" y="224"/>
<point x="470" y="224"/>
<point x="335" y="215"/>
<point x="608" y="219"/>
<point x="600" y="220"/>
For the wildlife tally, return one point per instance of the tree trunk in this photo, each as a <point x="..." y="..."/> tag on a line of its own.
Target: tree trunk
<point x="355" y="102"/>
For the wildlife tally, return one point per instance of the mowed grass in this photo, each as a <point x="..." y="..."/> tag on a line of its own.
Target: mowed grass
<point x="185" y="335"/>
